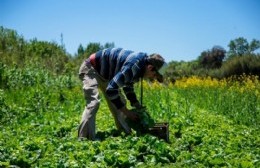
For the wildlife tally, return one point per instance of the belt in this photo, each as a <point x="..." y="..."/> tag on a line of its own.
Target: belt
<point x="92" y="60"/>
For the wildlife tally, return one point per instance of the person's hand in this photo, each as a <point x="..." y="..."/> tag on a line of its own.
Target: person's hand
<point x="129" y="114"/>
<point x="137" y="105"/>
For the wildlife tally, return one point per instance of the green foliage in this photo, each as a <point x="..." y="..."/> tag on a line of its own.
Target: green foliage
<point x="248" y="64"/>
<point x="176" y="70"/>
<point x="80" y="50"/>
<point x="212" y="59"/>
<point x="241" y="60"/>
<point x="39" y="121"/>
<point x="49" y="55"/>
<point x="240" y="47"/>
<point x="41" y="102"/>
<point x="145" y="121"/>
<point x="12" y="47"/>
<point x="14" y="50"/>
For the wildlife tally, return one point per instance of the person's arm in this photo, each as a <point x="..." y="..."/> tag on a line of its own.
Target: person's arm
<point x="118" y="81"/>
<point x="131" y="115"/>
<point x="131" y="96"/>
<point x="116" y="100"/>
<point x="112" y="92"/>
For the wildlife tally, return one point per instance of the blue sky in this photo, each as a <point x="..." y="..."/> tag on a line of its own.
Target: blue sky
<point x="177" y="29"/>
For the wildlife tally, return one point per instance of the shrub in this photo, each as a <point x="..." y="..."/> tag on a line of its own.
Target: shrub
<point x="248" y="64"/>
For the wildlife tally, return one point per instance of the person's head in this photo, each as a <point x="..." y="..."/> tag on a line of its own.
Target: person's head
<point x="153" y="64"/>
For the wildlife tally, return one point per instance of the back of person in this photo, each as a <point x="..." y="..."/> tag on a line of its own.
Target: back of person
<point x="112" y="60"/>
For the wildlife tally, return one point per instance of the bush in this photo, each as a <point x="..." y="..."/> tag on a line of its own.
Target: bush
<point x="239" y="65"/>
<point x="248" y="64"/>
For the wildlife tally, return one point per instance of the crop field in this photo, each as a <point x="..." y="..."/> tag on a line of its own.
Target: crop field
<point x="213" y="123"/>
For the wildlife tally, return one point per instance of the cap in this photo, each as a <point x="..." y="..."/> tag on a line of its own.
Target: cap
<point x="157" y="61"/>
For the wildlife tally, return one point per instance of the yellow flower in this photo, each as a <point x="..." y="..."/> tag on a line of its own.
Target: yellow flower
<point x="241" y="83"/>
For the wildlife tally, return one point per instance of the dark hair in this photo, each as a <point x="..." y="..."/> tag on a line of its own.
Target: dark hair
<point x="156" y="60"/>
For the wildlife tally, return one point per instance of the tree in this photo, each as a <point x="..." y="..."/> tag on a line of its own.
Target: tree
<point x="47" y="54"/>
<point x="109" y="45"/>
<point x="254" y="45"/>
<point x="213" y="58"/>
<point x="240" y="47"/>
<point x="92" y="48"/>
<point x="80" y="50"/>
<point x="12" y="46"/>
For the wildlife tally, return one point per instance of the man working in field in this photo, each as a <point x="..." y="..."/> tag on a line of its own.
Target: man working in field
<point x="109" y="70"/>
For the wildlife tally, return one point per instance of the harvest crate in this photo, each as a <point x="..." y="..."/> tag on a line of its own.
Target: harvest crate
<point x="160" y="130"/>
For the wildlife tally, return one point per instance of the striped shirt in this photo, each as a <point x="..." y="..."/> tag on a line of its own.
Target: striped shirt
<point x="121" y="68"/>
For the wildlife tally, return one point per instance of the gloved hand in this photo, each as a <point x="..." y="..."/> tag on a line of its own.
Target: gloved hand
<point x="143" y="124"/>
<point x="137" y="105"/>
<point x="130" y="114"/>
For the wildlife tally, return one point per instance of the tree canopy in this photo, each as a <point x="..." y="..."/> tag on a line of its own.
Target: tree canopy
<point x="240" y="47"/>
<point x="215" y="62"/>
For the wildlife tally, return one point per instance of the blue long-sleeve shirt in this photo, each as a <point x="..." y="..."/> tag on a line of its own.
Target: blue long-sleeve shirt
<point x="122" y="68"/>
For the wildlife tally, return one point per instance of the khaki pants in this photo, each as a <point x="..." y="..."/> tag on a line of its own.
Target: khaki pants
<point x="91" y="82"/>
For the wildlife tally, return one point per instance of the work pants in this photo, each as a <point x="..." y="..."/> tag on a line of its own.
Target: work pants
<point x="92" y="81"/>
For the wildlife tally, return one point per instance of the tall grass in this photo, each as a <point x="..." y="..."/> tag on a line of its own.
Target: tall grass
<point x="238" y="99"/>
